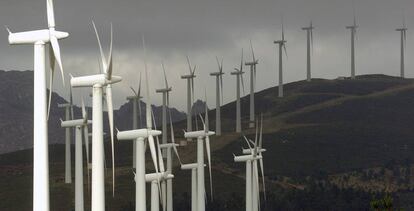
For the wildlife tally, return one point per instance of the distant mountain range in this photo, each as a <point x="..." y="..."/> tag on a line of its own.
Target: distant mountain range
<point x="16" y="113"/>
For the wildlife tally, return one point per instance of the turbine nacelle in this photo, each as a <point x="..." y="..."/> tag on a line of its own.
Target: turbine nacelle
<point x="190" y="166"/>
<point x="252" y="63"/>
<point x="139" y="133"/>
<point x="237" y="72"/>
<point x="74" y="123"/>
<point x="217" y="73"/>
<point x="402" y="29"/>
<point x="32" y="37"/>
<point x="163" y="90"/>
<point x="187" y="76"/>
<point x="280" y="42"/>
<point x="250" y="151"/>
<point x="158" y="176"/>
<point x="91" y="80"/>
<point x="198" y="134"/>
<point x="245" y="158"/>
<point x="133" y="97"/>
<point x="352" y="27"/>
<point x="168" y="145"/>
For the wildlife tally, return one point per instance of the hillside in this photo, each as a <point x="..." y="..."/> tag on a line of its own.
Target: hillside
<point x="16" y="116"/>
<point x="320" y="133"/>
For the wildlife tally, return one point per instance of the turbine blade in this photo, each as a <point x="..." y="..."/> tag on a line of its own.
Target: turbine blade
<point x="52" y="73"/>
<point x="139" y="86"/>
<point x="133" y="90"/>
<point x="71" y="102"/>
<point x="263" y="177"/>
<point x="153" y="150"/>
<point x="109" y="67"/>
<point x="165" y="76"/>
<point x="50" y="14"/>
<point x="103" y="60"/>
<point x="111" y="130"/>
<point x="189" y="65"/>
<point x="86" y="137"/>
<point x="148" y="105"/>
<point x="247" y="141"/>
<point x="160" y="160"/>
<point x="173" y="139"/>
<point x="209" y="164"/>
<point x="56" y="52"/>
<point x="84" y="114"/>
<point x="251" y="47"/>
<point x="221" y="89"/>
<point x="242" y="82"/>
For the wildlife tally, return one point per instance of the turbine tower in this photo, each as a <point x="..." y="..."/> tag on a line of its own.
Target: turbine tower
<point x="353" y="30"/>
<point x="168" y="200"/>
<point x="403" y="31"/>
<point x="239" y="77"/>
<point x="140" y="135"/>
<point x="194" y="188"/>
<point x="68" y="116"/>
<point x="252" y="65"/>
<point x="309" y="38"/>
<point x="98" y="82"/>
<point x="219" y="94"/>
<point x="190" y="93"/>
<point x="79" y="125"/>
<point x="165" y="103"/>
<point x="136" y="123"/>
<point x="40" y="38"/>
<point x="282" y="46"/>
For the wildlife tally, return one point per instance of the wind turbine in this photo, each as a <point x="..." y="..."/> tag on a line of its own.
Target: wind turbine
<point x="79" y="125"/>
<point x="282" y="46"/>
<point x="252" y="65"/>
<point x="309" y="37"/>
<point x="250" y="157"/>
<point x="194" y="188"/>
<point x="403" y="31"/>
<point x="165" y="103"/>
<point x="219" y="94"/>
<point x="98" y="82"/>
<point x="239" y="76"/>
<point x="168" y="147"/>
<point x="140" y="135"/>
<point x="68" y="116"/>
<point x="136" y="100"/>
<point x="353" y="30"/>
<point x="258" y="149"/>
<point x="200" y="135"/>
<point x="190" y="93"/>
<point x="39" y="38"/>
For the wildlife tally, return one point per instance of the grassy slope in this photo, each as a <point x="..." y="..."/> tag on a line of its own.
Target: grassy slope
<point x="326" y="126"/>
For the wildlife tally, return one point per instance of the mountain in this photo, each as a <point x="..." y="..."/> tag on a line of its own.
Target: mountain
<point x="16" y="116"/>
<point x="331" y="145"/>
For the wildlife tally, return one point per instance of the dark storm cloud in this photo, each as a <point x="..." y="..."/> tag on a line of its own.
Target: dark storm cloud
<point x="209" y="28"/>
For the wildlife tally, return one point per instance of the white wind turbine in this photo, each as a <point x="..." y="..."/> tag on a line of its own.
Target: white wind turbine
<point x="252" y="155"/>
<point x="353" y="30"/>
<point x="252" y="65"/>
<point x="219" y="94"/>
<point x="282" y="46"/>
<point x="68" y="116"/>
<point x="190" y="93"/>
<point x="194" y="188"/>
<point x="140" y="135"/>
<point x="257" y="149"/>
<point x="309" y="46"/>
<point x="136" y="103"/>
<point x="168" y="199"/>
<point x="165" y="103"/>
<point x="40" y="38"/>
<point x="200" y="135"/>
<point x="403" y="31"/>
<point x="80" y="126"/>
<point x="239" y="77"/>
<point x="98" y="82"/>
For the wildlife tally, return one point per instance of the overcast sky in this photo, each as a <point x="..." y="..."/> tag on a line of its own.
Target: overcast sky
<point x="209" y="28"/>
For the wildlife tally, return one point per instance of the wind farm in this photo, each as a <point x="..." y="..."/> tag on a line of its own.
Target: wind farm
<point x="173" y="133"/>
